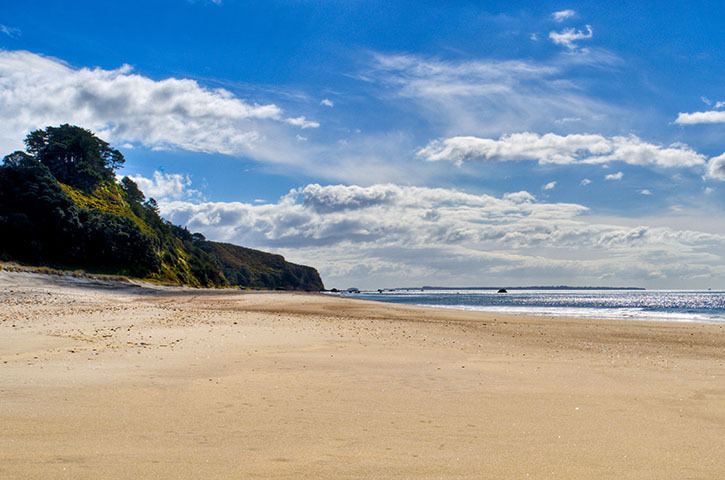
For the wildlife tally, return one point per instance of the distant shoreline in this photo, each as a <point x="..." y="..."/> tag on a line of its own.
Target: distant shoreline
<point x="538" y="287"/>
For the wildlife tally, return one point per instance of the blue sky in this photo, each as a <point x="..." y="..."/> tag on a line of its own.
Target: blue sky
<point x="382" y="141"/>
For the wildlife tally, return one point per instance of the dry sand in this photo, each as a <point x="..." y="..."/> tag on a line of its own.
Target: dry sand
<point x="101" y="381"/>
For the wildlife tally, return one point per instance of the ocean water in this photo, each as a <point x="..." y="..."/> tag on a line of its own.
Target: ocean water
<point x="666" y="305"/>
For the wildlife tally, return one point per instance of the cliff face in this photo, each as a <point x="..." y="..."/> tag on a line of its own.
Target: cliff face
<point x="253" y="268"/>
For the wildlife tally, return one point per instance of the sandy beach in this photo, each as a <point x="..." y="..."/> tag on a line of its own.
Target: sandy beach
<point x="124" y="381"/>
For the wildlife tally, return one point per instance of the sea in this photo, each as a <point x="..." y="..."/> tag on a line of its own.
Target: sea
<point x="664" y="305"/>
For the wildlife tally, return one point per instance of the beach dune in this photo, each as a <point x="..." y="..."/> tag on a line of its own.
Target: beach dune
<point x="102" y="380"/>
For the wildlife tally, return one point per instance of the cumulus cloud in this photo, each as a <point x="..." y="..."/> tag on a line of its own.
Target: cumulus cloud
<point x="585" y="182"/>
<point x="550" y="186"/>
<point x="320" y="215"/>
<point x="122" y="106"/>
<point x="570" y="36"/>
<point x="562" y="150"/>
<point x="302" y="122"/>
<point x="519" y="197"/>
<point x="614" y="176"/>
<point x="716" y="168"/>
<point x="645" y="192"/>
<point x="562" y="15"/>
<point x="166" y="186"/>
<point x="326" y="102"/>
<point x="710" y="116"/>
<point x="383" y="233"/>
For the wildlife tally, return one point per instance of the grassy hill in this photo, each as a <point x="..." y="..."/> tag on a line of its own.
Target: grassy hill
<point x="245" y="266"/>
<point x="90" y="221"/>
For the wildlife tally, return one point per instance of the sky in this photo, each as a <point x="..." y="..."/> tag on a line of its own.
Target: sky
<point x="403" y="143"/>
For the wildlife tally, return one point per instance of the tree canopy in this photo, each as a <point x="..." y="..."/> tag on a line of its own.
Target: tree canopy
<point x="74" y="155"/>
<point x="133" y="193"/>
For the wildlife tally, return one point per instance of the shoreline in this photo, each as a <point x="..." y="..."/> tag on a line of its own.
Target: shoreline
<point x="597" y="314"/>
<point x="627" y="314"/>
<point x="83" y="279"/>
<point x="147" y="383"/>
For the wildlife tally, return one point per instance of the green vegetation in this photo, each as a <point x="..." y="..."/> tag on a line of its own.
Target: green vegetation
<point x="60" y="206"/>
<point x="75" y="156"/>
<point x="244" y="266"/>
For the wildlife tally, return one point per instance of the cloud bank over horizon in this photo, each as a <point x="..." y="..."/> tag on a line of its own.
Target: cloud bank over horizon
<point x="386" y="234"/>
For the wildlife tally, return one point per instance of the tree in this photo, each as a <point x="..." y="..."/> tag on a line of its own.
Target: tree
<point x="19" y="159"/>
<point x="152" y="205"/>
<point x="37" y="219"/>
<point x="75" y="155"/>
<point x="133" y="193"/>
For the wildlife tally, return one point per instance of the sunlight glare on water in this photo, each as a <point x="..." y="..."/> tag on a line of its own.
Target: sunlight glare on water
<point x="673" y="305"/>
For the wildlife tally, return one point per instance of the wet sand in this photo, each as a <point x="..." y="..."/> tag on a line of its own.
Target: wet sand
<point x="121" y="381"/>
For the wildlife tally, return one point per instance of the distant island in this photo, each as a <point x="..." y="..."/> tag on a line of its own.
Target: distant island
<point x="62" y="206"/>
<point x="538" y="287"/>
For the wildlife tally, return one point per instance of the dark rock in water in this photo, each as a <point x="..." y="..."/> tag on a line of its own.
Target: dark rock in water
<point x="502" y="290"/>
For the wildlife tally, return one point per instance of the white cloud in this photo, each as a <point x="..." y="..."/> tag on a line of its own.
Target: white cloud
<point x="302" y="122"/>
<point x="562" y="15"/>
<point x="716" y="168"/>
<point x="492" y="97"/>
<point x="585" y="182"/>
<point x="9" y="31"/>
<point x="326" y="102"/>
<point x="166" y="186"/>
<point x="708" y="102"/>
<point x="614" y="176"/>
<point x="550" y="186"/>
<point x="563" y="150"/>
<point x="710" y="116"/>
<point x="519" y="197"/>
<point x="534" y="37"/>
<point x="570" y="36"/>
<point x="121" y="106"/>
<point x="645" y="192"/>
<point x="320" y="215"/>
<point x="567" y="120"/>
<point x="381" y="234"/>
